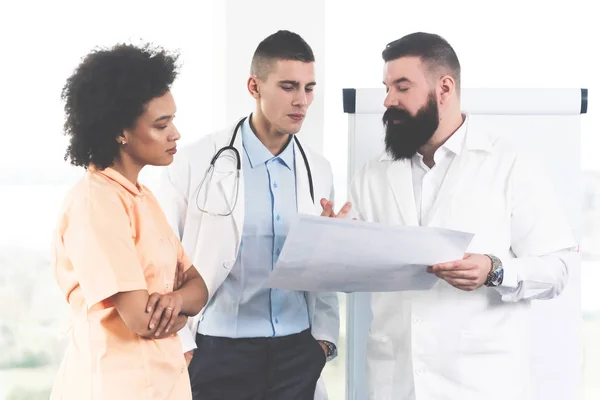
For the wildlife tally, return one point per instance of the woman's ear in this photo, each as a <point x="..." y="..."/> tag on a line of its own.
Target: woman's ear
<point x="122" y="138"/>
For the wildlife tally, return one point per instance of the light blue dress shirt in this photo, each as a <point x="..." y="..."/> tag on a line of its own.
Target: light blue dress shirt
<point x="244" y="306"/>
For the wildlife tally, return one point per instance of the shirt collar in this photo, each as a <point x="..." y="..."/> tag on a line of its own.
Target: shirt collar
<point x="113" y="175"/>
<point x="258" y="153"/>
<point x="452" y="145"/>
<point x="455" y="142"/>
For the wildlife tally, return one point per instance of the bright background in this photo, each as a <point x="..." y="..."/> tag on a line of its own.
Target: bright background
<point x="507" y="43"/>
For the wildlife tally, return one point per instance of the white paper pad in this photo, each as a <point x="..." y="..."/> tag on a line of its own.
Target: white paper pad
<point x="339" y="255"/>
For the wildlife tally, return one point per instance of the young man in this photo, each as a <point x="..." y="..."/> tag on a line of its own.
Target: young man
<point x="254" y="342"/>
<point x="465" y="338"/>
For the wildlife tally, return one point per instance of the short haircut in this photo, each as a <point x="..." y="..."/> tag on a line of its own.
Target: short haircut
<point x="433" y="50"/>
<point x="107" y="93"/>
<point x="282" y="45"/>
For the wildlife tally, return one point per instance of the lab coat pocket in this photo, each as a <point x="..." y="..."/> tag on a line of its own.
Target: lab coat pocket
<point x="380" y="367"/>
<point x="481" y="343"/>
<point x="483" y="362"/>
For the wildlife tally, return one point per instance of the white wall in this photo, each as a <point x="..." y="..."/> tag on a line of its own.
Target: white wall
<point x="245" y="24"/>
<point x="508" y="43"/>
<point x="42" y="43"/>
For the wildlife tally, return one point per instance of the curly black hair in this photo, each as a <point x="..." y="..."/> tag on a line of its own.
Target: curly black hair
<point x="107" y="93"/>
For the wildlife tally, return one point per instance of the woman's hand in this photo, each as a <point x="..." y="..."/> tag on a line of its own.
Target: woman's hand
<point x="165" y="310"/>
<point x="180" y="322"/>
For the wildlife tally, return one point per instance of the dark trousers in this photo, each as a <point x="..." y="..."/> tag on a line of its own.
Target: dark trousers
<point x="279" y="368"/>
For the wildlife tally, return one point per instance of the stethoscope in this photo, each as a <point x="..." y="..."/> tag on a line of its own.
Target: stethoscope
<point x="238" y="162"/>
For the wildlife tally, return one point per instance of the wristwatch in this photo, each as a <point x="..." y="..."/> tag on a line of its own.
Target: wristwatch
<point x="496" y="275"/>
<point x="330" y="347"/>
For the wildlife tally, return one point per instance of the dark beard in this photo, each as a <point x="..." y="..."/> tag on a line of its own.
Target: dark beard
<point x="403" y="139"/>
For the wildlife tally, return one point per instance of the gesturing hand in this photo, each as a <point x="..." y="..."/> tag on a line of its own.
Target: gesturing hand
<point x="328" y="209"/>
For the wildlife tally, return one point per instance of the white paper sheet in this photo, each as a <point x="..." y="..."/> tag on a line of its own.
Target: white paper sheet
<point x="327" y="254"/>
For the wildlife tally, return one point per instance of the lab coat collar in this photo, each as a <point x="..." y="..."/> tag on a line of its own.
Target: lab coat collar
<point x="455" y="142"/>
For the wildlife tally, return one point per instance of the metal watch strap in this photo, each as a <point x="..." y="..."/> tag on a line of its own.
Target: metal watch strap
<point x="330" y="347"/>
<point x="496" y="275"/>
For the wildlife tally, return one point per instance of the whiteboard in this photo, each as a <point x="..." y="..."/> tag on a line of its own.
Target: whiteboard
<point x="546" y="121"/>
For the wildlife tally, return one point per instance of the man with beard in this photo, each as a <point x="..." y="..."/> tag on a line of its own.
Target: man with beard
<point x="466" y="338"/>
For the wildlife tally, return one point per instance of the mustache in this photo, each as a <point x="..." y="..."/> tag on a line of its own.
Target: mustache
<point x="392" y="114"/>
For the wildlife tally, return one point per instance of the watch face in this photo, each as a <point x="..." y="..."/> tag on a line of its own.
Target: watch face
<point x="495" y="277"/>
<point x="499" y="276"/>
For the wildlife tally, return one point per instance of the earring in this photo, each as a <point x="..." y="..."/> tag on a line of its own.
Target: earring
<point x="123" y="142"/>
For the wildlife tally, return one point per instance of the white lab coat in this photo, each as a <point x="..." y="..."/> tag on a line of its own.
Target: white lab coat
<point x="445" y="343"/>
<point x="212" y="242"/>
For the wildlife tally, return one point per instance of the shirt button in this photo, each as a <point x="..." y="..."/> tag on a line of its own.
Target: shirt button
<point x="278" y="218"/>
<point x="275" y="185"/>
<point x="416" y="320"/>
<point x="420" y="371"/>
<point x="276" y="320"/>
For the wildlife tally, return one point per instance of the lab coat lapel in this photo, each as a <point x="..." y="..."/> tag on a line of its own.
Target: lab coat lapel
<point x="449" y="186"/>
<point x="305" y="202"/>
<point x="227" y="183"/>
<point x="476" y="142"/>
<point x="399" y="174"/>
<point x="305" y="206"/>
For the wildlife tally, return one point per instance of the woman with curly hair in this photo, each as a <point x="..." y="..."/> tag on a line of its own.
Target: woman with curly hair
<point x="125" y="276"/>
